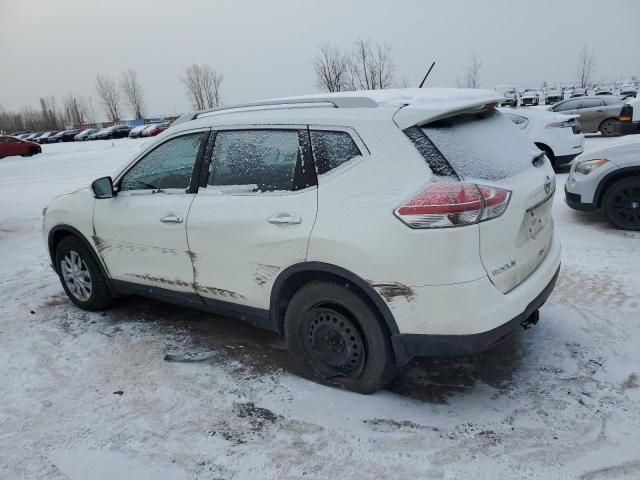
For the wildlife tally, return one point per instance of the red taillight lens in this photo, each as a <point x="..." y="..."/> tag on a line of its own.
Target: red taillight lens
<point x="453" y="204"/>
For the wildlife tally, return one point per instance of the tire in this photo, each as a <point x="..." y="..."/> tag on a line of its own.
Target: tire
<point x="610" y="128"/>
<point x="621" y="204"/>
<point x="72" y="253"/>
<point x="335" y="338"/>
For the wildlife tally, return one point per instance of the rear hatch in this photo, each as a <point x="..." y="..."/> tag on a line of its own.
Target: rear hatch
<point x="487" y="149"/>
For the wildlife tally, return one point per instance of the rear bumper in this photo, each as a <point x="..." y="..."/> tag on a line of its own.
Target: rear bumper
<point x="468" y="317"/>
<point x="416" y="345"/>
<point x="629" y="128"/>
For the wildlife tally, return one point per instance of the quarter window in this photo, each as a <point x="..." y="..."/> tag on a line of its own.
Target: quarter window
<point x="256" y="160"/>
<point x="168" y="166"/>
<point x="331" y="149"/>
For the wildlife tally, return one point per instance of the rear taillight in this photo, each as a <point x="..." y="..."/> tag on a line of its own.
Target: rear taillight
<point x="453" y="204"/>
<point x="626" y="114"/>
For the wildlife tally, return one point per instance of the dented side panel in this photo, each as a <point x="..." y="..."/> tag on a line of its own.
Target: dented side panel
<point x="136" y="246"/>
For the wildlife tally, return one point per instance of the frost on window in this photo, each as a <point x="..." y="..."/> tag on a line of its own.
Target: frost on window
<point x="168" y="166"/>
<point x="332" y="149"/>
<point x="481" y="146"/>
<point x="265" y="160"/>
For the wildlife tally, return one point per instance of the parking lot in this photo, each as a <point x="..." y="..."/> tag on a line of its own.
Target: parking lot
<point x="101" y="395"/>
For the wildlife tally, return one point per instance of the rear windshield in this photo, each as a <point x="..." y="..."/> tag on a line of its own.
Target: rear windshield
<point x="487" y="146"/>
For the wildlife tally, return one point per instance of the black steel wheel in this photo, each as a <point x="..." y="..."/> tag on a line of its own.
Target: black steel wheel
<point x="621" y="204"/>
<point x="333" y="342"/>
<point x="337" y="338"/>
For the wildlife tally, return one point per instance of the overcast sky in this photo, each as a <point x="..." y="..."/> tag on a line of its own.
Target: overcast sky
<point x="266" y="48"/>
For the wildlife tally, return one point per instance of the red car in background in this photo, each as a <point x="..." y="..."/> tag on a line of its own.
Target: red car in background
<point x="14" y="146"/>
<point x="154" y="129"/>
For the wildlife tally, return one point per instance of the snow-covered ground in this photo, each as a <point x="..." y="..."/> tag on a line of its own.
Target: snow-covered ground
<point x="90" y="396"/>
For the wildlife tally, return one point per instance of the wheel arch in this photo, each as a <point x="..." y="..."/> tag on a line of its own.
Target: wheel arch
<point x="57" y="233"/>
<point x="610" y="179"/>
<point x="291" y="279"/>
<point x="547" y="149"/>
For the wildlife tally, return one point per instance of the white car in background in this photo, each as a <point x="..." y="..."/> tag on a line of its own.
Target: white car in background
<point x="557" y="135"/>
<point x="608" y="179"/>
<point x="368" y="227"/>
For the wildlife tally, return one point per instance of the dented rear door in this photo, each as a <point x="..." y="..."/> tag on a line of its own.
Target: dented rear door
<point x="254" y="217"/>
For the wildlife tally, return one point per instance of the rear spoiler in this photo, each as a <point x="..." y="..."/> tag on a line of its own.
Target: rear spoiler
<point x="419" y="115"/>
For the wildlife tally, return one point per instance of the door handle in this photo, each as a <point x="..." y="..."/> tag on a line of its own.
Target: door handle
<point x="171" y="218"/>
<point x="285" y="218"/>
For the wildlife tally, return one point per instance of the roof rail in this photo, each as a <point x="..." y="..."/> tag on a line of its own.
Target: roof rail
<point x="335" y="102"/>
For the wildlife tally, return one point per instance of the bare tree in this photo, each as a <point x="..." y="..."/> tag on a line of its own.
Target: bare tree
<point x="91" y="111"/>
<point x="472" y="78"/>
<point x="132" y="92"/>
<point x="332" y="69"/>
<point x="586" y="67"/>
<point x="371" y="66"/>
<point x="203" y="86"/>
<point x="50" y="117"/>
<point x="75" y="110"/>
<point x="110" y="96"/>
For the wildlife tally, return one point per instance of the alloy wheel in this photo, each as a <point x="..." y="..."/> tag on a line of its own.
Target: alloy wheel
<point x="76" y="275"/>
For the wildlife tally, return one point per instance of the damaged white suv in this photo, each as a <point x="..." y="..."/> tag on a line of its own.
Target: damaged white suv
<point x="367" y="227"/>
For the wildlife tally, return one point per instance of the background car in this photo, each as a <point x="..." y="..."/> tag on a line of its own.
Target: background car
<point x="530" y="97"/>
<point x="630" y="116"/>
<point x="629" y="90"/>
<point x="84" y="134"/>
<point x="118" y="131"/>
<point x="65" y="136"/>
<point x="608" y="179"/>
<point x="137" y="131"/>
<point x="46" y="137"/>
<point x="23" y="136"/>
<point x="553" y="96"/>
<point x="10" y="146"/>
<point x="578" y="92"/>
<point x="32" y="136"/>
<point x="154" y="129"/>
<point x="597" y="113"/>
<point x="558" y="135"/>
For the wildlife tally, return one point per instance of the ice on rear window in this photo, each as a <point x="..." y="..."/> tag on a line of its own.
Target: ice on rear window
<point x="488" y="147"/>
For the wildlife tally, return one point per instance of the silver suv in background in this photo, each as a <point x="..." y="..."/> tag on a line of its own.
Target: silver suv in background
<point x="597" y="113"/>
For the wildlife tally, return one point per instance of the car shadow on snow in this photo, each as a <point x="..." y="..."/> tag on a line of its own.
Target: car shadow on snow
<point x="249" y="352"/>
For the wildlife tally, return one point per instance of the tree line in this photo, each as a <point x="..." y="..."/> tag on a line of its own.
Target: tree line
<point x="202" y="84"/>
<point x="365" y="66"/>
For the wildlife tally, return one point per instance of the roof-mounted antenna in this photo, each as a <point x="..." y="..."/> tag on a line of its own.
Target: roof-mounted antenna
<point x="428" y="72"/>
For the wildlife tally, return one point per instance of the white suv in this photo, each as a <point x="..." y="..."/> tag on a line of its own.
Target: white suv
<point x="368" y="227"/>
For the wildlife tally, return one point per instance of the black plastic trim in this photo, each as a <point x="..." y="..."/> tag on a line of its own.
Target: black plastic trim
<point x="370" y="292"/>
<point x="255" y="316"/>
<point x="574" y="201"/>
<point x="416" y="345"/>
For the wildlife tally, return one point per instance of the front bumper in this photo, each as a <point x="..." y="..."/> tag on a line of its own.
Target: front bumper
<point x="408" y="345"/>
<point x="574" y="200"/>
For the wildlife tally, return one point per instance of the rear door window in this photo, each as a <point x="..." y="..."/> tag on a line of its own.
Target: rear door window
<point x="591" y="103"/>
<point x="256" y="160"/>
<point x="486" y="146"/>
<point x="332" y="149"/>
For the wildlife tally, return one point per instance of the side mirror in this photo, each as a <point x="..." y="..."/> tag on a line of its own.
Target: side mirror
<point x="103" y="188"/>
